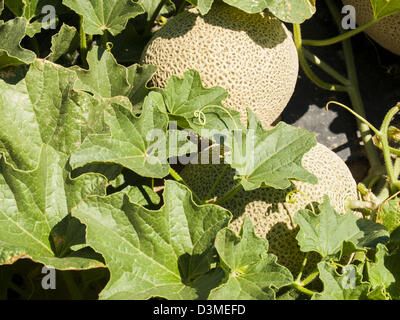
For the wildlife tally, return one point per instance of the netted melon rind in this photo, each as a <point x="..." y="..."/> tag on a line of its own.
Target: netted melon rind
<point x="271" y="216"/>
<point x="252" y="56"/>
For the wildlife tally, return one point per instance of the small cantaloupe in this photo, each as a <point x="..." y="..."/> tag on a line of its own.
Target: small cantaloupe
<point x="386" y="32"/>
<point x="252" y="56"/>
<point x="267" y="208"/>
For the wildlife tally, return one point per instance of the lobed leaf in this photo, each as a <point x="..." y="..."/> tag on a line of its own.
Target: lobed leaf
<point x="269" y="158"/>
<point x="32" y="11"/>
<point x="165" y="253"/>
<point x="106" y="78"/>
<point x="327" y="232"/>
<point x="292" y="11"/>
<point x="11" y="53"/>
<point x="150" y="7"/>
<point x="100" y="16"/>
<point x="378" y="275"/>
<point x="389" y="214"/>
<point x="139" y="144"/>
<point x="383" y="8"/>
<point x="42" y="121"/>
<point x="250" y="271"/>
<point x="65" y="41"/>
<point x="261" y="158"/>
<point x="345" y="286"/>
<point x="183" y="97"/>
<point x="39" y="106"/>
<point x="34" y="213"/>
<point x="198" y="108"/>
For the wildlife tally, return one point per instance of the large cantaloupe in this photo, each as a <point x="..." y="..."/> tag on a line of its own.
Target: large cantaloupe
<point x="252" y="56"/>
<point x="270" y="214"/>
<point x="386" y="32"/>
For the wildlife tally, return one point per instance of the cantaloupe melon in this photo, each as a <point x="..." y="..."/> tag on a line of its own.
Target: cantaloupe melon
<point x="386" y="32"/>
<point x="267" y="208"/>
<point x="252" y="56"/>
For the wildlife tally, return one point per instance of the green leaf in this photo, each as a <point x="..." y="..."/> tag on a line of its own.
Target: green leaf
<point x="1" y="10"/>
<point x="42" y="120"/>
<point x="165" y="253"/>
<point x="326" y="232"/>
<point x="139" y="189"/>
<point x="150" y="7"/>
<point x="11" y="53"/>
<point x="23" y="8"/>
<point x="34" y="220"/>
<point x="392" y="265"/>
<point x="269" y="158"/>
<point x="378" y="274"/>
<point x="105" y="15"/>
<point x="139" y="144"/>
<point x="379" y="293"/>
<point x="106" y="78"/>
<point x="33" y="28"/>
<point x="260" y="157"/>
<point x="292" y="11"/>
<point x="40" y="107"/>
<point x="251" y="272"/>
<point x="138" y="77"/>
<point x="389" y="214"/>
<point x="184" y="96"/>
<point x="345" y="286"/>
<point x="383" y="8"/>
<point x="198" y="108"/>
<point x="128" y="45"/>
<point x="395" y="235"/>
<point x="202" y="5"/>
<point x="31" y="10"/>
<point x="143" y="195"/>
<point x="65" y="41"/>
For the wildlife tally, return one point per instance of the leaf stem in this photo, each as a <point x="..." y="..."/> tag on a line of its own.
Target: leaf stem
<point x="104" y="40"/>
<point x="385" y="145"/>
<point x="341" y="37"/>
<point x="309" y="278"/>
<point x="303" y="265"/>
<point x="306" y="68"/>
<point x="150" y="23"/>
<point x="359" y="204"/>
<point x="182" y="6"/>
<point x="302" y="289"/>
<point x="396" y="167"/>
<point x="354" y="92"/>
<point x="325" y="67"/>
<point x="83" y="43"/>
<point x="230" y="194"/>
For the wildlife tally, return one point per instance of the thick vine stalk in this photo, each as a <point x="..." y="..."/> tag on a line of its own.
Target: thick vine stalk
<point x="350" y="84"/>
